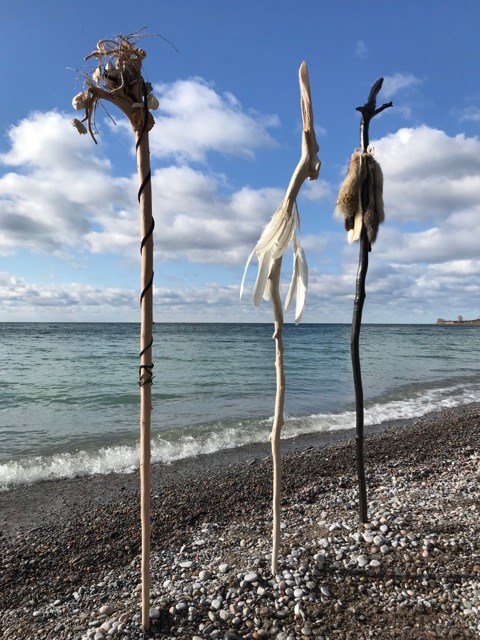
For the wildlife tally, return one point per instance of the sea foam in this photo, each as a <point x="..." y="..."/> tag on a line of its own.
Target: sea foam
<point x="217" y="437"/>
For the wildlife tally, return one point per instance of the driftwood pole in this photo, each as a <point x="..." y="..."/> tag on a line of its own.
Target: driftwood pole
<point x="278" y="418"/>
<point x="118" y="79"/>
<point x="368" y="111"/>
<point x="270" y="249"/>
<point x="146" y="364"/>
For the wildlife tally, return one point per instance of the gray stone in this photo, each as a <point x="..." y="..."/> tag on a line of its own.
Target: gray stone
<point x="251" y="577"/>
<point x="106" y="610"/>
<point x="204" y="575"/>
<point x="362" y="560"/>
<point x="187" y="564"/>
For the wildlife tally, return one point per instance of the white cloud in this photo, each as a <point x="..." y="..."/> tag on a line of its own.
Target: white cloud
<point x="75" y="203"/>
<point x="396" y="292"/>
<point x="471" y="114"/>
<point x="428" y="174"/>
<point x="48" y="141"/>
<point x="24" y="301"/>
<point x="47" y="204"/>
<point x="360" y="49"/>
<point x="61" y="197"/>
<point x="449" y="241"/>
<point x="194" y="119"/>
<point x="317" y="190"/>
<point x="398" y="82"/>
<point x="193" y="219"/>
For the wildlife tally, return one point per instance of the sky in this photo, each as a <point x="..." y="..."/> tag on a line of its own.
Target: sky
<point x="226" y="140"/>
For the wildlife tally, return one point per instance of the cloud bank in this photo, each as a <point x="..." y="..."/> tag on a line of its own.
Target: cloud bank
<point x="60" y="195"/>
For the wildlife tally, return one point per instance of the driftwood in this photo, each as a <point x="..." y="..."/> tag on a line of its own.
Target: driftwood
<point x="360" y="201"/>
<point x="269" y="250"/>
<point x="118" y="79"/>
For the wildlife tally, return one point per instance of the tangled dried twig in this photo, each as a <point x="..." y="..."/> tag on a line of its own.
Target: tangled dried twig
<point x="117" y="79"/>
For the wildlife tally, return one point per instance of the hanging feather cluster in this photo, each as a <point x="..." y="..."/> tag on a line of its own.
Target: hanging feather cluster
<point x="280" y="231"/>
<point x="284" y="227"/>
<point x="363" y="167"/>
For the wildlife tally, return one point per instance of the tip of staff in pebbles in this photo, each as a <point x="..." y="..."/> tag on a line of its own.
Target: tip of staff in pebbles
<point x="413" y="571"/>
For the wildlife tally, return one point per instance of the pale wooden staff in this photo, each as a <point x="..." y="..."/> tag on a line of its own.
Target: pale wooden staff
<point x="270" y="249"/>
<point x="118" y="79"/>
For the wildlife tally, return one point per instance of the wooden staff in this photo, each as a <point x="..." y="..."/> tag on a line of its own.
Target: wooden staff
<point x="118" y="79"/>
<point x="269" y="249"/>
<point x="146" y="364"/>
<point x="278" y="419"/>
<point x="368" y="111"/>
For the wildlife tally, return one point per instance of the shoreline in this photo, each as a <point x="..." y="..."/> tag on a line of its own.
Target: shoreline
<point x="25" y="507"/>
<point x="412" y="572"/>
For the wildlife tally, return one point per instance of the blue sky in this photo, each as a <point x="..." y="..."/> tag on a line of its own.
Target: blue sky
<point x="226" y="141"/>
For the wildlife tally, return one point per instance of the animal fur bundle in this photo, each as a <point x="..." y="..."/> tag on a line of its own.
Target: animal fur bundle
<point x="362" y="167"/>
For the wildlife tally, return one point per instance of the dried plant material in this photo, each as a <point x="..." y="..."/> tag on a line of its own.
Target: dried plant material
<point x="79" y="126"/>
<point x="362" y="166"/>
<point x="118" y="79"/>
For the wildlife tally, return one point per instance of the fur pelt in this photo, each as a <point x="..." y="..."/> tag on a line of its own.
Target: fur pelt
<point x="363" y="166"/>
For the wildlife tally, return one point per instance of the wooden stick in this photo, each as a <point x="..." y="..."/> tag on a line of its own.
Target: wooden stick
<point x="146" y="366"/>
<point x="308" y="167"/>
<point x="118" y="80"/>
<point x="357" y="374"/>
<point x="278" y="420"/>
<point x="368" y="111"/>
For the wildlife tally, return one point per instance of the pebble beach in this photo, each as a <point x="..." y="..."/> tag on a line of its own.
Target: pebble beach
<point x="70" y="549"/>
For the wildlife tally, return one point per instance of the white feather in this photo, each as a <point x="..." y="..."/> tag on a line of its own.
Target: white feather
<point x="296" y="215"/>
<point x="271" y="246"/>
<point x="271" y="232"/>
<point x="245" y="272"/>
<point x="302" y="284"/>
<point x="264" y="265"/>
<point x="293" y="283"/>
<point x="284" y="238"/>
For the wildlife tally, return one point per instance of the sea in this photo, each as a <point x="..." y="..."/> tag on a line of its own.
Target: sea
<point x="70" y="401"/>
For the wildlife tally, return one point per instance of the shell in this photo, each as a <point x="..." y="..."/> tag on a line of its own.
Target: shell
<point x="97" y="76"/>
<point x="152" y="102"/>
<point x="80" y="101"/>
<point x="111" y="70"/>
<point x="79" y="126"/>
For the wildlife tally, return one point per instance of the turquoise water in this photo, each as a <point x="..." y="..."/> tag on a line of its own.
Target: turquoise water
<point x="69" y="397"/>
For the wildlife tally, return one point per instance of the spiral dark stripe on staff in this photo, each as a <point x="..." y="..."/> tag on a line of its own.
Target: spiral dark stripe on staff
<point x="147" y="236"/>
<point x="147" y="287"/>
<point x="146" y="348"/>
<point x="144" y="184"/>
<point x="145" y="371"/>
<point x="147" y="377"/>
